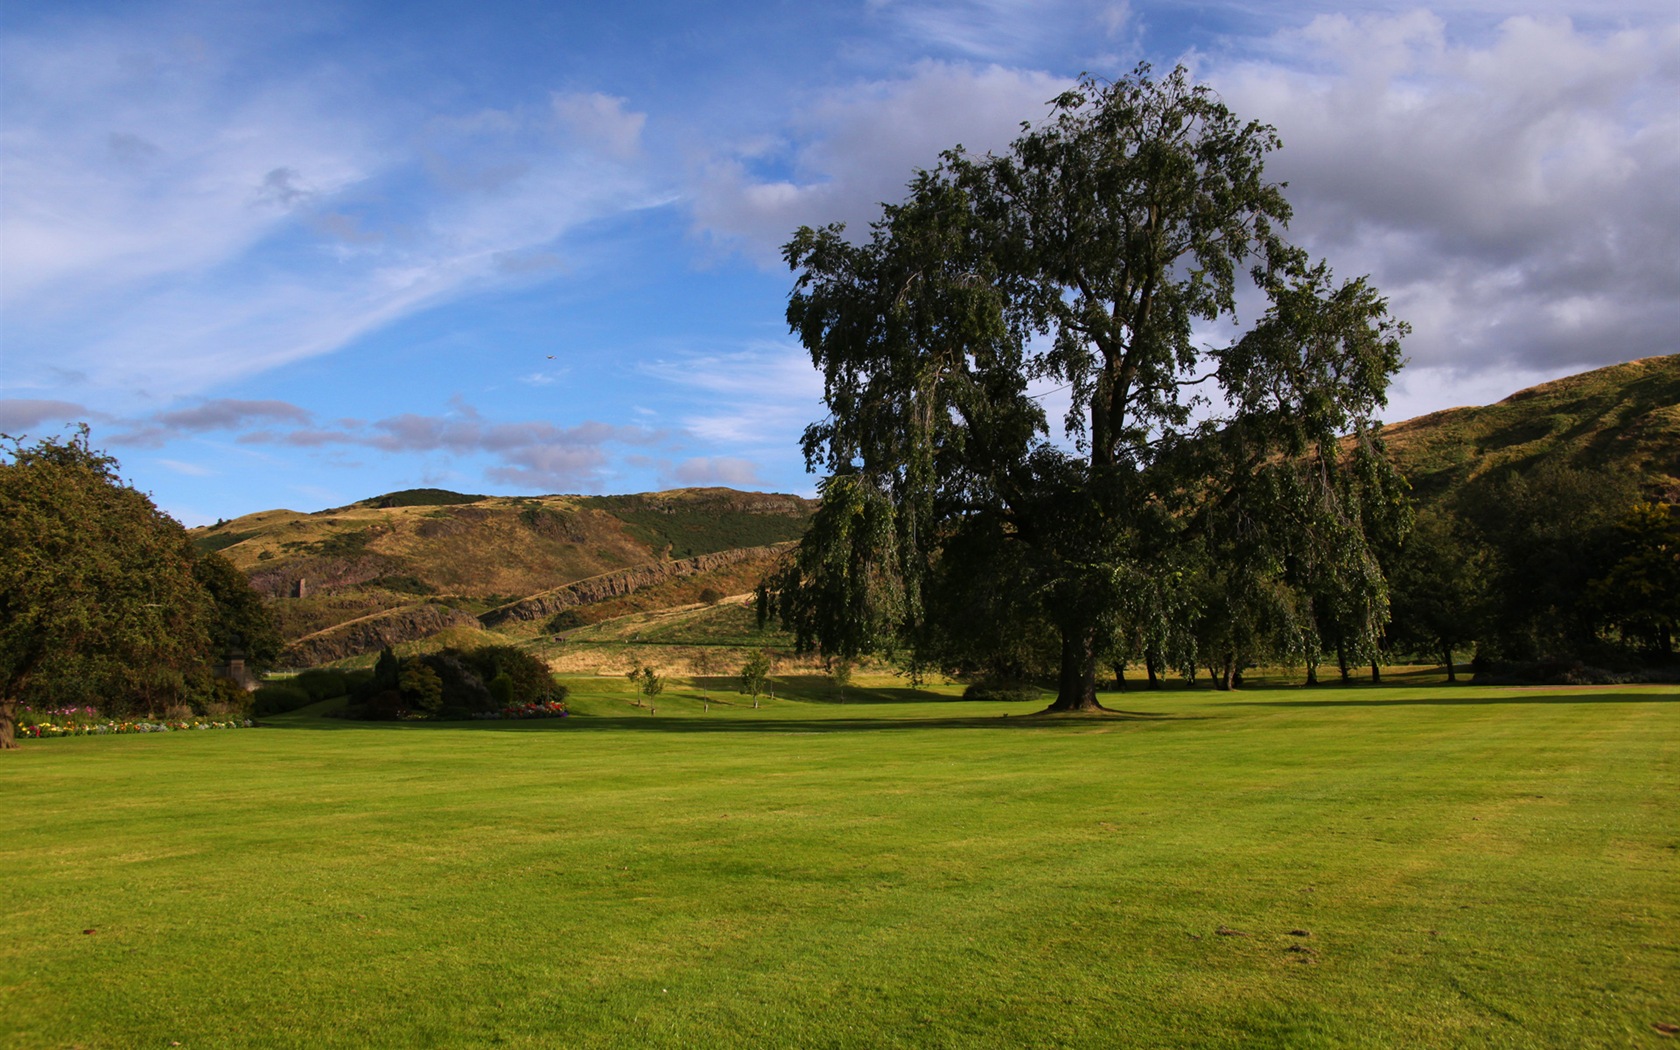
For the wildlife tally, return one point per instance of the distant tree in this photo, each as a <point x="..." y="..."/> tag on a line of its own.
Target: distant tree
<point x="1640" y="591"/>
<point x="1551" y="531"/>
<point x="754" y="673"/>
<point x="648" y="681"/>
<point x="1438" y="586"/>
<point x="421" y="687"/>
<point x="97" y="592"/>
<point x="840" y="673"/>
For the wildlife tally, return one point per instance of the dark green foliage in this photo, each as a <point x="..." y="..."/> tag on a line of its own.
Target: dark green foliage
<point x="403" y="583"/>
<point x="1085" y="257"/>
<point x="277" y="698"/>
<point x="97" y="593"/>
<point x="452" y="684"/>
<point x="566" y="620"/>
<point x="1639" y="593"/>
<point x="1439" y="587"/>
<point x="755" y="673"/>
<point x="696" y="526"/>
<point x="421" y="498"/>
<point x="1004" y="689"/>
<point x="240" y="619"/>
<point x="1550" y="533"/>
<point x="530" y="679"/>
<point x="421" y="687"/>
<point x="323" y="683"/>
<point x="710" y="595"/>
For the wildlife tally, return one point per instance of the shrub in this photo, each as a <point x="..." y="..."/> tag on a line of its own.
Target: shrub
<point x="1001" y="689"/>
<point x="531" y="680"/>
<point x="323" y="684"/>
<point x="566" y="620"/>
<point x="711" y="595"/>
<point x="278" y="698"/>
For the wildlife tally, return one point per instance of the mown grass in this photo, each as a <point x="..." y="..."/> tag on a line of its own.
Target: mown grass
<point x="1469" y="867"/>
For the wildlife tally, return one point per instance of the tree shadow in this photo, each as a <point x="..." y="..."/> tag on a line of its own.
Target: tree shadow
<point x="773" y="725"/>
<point x="1587" y="695"/>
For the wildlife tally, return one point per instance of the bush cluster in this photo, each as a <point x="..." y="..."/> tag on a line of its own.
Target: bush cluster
<point x="453" y="684"/>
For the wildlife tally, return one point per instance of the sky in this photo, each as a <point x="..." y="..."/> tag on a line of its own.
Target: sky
<point x="295" y="255"/>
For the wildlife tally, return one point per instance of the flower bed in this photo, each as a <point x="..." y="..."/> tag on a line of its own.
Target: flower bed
<point x="546" y="709"/>
<point x="52" y="729"/>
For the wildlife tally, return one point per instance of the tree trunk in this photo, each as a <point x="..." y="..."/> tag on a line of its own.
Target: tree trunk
<point x="1076" y="686"/>
<point x="1151" y="664"/>
<point x="1341" y="661"/>
<point x="1119" y="677"/>
<point x="8" y="732"/>
<point x="1312" y="674"/>
<point x="1452" y="673"/>
<point x="1236" y="676"/>
<point x="1376" y="674"/>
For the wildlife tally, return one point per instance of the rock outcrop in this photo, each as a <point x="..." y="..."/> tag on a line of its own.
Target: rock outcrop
<point x="622" y="582"/>
<point x="372" y="633"/>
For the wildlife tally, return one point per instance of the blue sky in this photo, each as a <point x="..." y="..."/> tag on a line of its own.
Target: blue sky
<point x="296" y="255"/>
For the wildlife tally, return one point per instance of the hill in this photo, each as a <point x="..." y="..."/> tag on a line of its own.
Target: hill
<point x="403" y="565"/>
<point x="1624" y="417"/>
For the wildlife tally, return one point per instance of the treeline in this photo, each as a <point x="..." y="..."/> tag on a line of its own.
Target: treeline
<point x="1556" y="573"/>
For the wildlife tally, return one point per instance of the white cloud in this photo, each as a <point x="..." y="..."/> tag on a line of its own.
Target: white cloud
<point x="602" y="121"/>
<point x="174" y="222"/>
<point x="712" y="470"/>
<point x="859" y="146"/>
<point x="759" y="399"/>
<point x="1514" y="197"/>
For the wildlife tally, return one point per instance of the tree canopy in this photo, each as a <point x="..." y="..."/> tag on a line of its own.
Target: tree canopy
<point x="103" y="599"/>
<point x="1187" y="482"/>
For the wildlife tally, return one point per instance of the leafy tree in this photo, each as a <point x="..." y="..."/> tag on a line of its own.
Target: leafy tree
<point x="1640" y="593"/>
<point x="1439" y="584"/>
<point x="650" y="682"/>
<point x="1551" y="531"/>
<point x="240" y="619"/>
<point x="1082" y="258"/>
<point x="421" y="687"/>
<point x="754" y="673"/>
<point x="96" y="586"/>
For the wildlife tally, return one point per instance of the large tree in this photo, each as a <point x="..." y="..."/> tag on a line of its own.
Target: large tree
<point x="97" y="592"/>
<point x="1082" y="260"/>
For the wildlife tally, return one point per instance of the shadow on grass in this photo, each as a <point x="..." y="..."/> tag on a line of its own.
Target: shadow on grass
<point x="1586" y="695"/>
<point x="772" y="724"/>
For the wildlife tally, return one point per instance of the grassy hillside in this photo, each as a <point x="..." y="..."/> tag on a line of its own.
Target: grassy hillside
<point x="478" y="552"/>
<point x="1420" y="867"/>
<point x="1626" y="416"/>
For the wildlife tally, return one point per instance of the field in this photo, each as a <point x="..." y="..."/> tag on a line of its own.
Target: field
<point x="1407" y="865"/>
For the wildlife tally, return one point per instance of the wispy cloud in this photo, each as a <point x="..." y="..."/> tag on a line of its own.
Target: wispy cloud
<point x="173" y="223"/>
<point x="858" y="146"/>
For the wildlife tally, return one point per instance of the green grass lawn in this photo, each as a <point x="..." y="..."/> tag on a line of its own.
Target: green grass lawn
<point x="1465" y="867"/>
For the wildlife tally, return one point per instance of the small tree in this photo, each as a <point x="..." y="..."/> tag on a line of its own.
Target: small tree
<point x="646" y="679"/>
<point x="421" y="687"/>
<point x="754" y="673"/>
<point x="840" y="673"/>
